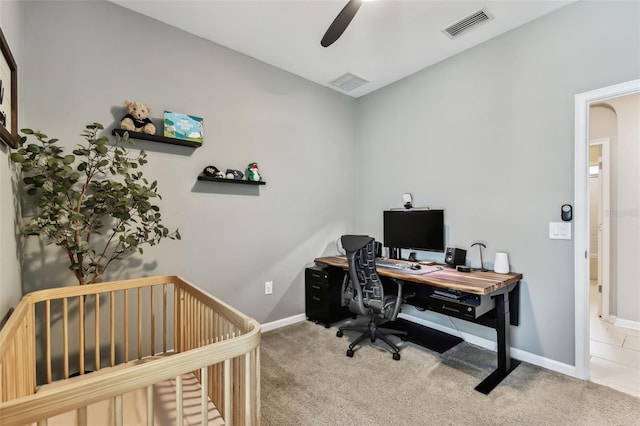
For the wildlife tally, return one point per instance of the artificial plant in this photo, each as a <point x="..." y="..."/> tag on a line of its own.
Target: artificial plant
<point x="95" y="203"/>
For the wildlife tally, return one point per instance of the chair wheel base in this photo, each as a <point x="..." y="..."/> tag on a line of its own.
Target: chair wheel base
<point x="350" y="353"/>
<point x="339" y="333"/>
<point x="396" y="356"/>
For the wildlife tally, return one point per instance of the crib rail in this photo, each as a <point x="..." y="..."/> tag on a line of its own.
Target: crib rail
<point x="56" y="334"/>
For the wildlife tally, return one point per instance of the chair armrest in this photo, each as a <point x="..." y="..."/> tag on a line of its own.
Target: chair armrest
<point x="399" y="300"/>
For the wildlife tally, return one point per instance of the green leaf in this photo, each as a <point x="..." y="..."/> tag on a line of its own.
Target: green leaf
<point x="68" y="159"/>
<point x="16" y="157"/>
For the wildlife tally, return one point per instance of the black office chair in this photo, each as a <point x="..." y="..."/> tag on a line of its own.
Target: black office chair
<point x="363" y="293"/>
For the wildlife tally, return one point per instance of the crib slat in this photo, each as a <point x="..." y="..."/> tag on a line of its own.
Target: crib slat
<point x="177" y="320"/>
<point x="81" y="321"/>
<point x="204" y="395"/>
<point x="255" y="373"/>
<point x="97" y="331"/>
<point x="82" y="416"/>
<point x="247" y="389"/>
<point x="179" y="406"/>
<point x="112" y="328"/>
<point x="150" y="412"/>
<point x="153" y="320"/>
<point x="126" y="325"/>
<point x="65" y="338"/>
<point x="118" y="412"/>
<point x="140" y="323"/>
<point x="228" y="409"/>
<point x="164" y="318"/>
<point x="47" y="334"/>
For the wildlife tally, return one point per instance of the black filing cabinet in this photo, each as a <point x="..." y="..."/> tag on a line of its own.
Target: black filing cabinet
<point x="323" y="288"/>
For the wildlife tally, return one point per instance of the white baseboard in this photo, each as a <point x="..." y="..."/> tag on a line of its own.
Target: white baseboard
<point x="516" y="353"/>
<point x="282" y="322"/>
<point x="634" y="325"/>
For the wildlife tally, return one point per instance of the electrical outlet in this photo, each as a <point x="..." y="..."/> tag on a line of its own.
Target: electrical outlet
<point x="268" y="287"/>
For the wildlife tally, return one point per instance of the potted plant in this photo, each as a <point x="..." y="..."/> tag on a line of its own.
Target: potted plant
<point x="95" y="204"/>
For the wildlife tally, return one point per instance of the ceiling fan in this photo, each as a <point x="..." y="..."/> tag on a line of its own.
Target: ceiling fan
<point x="341" y="22"/>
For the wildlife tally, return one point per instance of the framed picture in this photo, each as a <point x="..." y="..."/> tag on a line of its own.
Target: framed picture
<point x="8" y="95"/>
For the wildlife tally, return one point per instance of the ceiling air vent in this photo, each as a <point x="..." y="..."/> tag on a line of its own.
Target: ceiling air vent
<point x="465" y="24"/>
<point x="349" y="82"/>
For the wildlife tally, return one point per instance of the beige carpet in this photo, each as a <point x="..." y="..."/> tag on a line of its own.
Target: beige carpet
<point x="308" y="380"/>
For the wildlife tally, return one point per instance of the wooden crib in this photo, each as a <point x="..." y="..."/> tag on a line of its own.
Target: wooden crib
<point x="150" y="351"/>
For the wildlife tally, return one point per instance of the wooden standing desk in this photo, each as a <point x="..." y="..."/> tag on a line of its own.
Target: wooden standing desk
<point x="503" y="288"/>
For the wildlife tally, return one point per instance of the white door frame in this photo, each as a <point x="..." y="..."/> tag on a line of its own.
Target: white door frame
<point x="581" y="215"/>
<point x="604" y="224"/>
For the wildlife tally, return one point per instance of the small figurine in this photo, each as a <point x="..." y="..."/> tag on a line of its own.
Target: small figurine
<point x="234" y="174"/>
<point x="253" y="173"/>
<point x="212" y="171"/>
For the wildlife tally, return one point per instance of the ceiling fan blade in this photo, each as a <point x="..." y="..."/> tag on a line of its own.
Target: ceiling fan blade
<point x="341" y="22"/>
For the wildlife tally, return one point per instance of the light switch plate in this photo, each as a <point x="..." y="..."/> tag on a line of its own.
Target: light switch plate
<point x="559" y="230"/>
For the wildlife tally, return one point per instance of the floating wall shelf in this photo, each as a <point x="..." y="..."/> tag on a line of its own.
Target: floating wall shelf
<point x="242" y="182"/>
<point x="156" y="138"/>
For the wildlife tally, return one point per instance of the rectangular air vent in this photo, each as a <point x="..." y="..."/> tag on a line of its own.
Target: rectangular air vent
<point x="465" y="24"/>
<point x="349" y="82"/>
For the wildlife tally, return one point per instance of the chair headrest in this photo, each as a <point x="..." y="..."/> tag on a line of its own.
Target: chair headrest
<point x="352" y="243"/>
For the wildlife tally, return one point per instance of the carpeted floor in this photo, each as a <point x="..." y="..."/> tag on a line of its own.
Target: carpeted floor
<point x="308" y="380"/>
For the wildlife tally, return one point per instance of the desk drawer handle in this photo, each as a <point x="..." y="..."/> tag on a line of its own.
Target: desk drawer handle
<point x="315" y="275"/>
<point x="315" y="286"/>
<point x="317" y="299"/>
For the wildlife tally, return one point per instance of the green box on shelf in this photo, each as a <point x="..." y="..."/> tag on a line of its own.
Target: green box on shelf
<point x="183" y="126"/>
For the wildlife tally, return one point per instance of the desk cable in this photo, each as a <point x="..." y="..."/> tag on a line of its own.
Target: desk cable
<point x="420" y="309"/>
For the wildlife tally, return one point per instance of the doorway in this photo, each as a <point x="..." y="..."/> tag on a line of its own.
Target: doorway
<point x="599" y="228"/>
<point x="582" y="246"/>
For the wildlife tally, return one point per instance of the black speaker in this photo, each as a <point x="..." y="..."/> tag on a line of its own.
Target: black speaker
<point x="455" y="256"/>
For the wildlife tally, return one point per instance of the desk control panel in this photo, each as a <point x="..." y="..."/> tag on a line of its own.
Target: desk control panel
<point x="460" y="304"/>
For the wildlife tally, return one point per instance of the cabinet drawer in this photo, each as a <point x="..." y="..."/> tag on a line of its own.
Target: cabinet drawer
<point x="317" y="275"/>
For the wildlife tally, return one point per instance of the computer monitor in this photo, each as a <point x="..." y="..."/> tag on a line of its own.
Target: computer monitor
<point x="414" y="229"/>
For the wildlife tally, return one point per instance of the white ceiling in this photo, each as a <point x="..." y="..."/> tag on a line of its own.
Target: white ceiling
<point x="386" y="41"/>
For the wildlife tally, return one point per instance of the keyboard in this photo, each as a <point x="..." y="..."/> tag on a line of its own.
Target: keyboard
<point x="406" y="267"/>
<point x="390" y="264"/>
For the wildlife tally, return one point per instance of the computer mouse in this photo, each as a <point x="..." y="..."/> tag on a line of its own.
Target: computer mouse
<point x="416" y="266"/>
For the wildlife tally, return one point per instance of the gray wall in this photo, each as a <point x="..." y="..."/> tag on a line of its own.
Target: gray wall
<point x="84" y="59"/>
<point x="488" y="136"/>
<point x="11" y="21"/>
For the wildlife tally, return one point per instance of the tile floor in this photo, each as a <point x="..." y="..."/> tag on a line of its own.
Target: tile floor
<point x="615" y="352"/>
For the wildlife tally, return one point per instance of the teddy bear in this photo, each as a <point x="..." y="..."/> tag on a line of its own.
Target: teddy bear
<point x="137" y="118"/>
<point x="253" y="173"/>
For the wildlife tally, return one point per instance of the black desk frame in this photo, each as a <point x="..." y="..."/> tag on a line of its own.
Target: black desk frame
<point x="504" y="317"/>
<point x="506" y="312"/>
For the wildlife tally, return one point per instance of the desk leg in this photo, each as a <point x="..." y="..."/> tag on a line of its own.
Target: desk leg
<point x="505" y="363"/>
